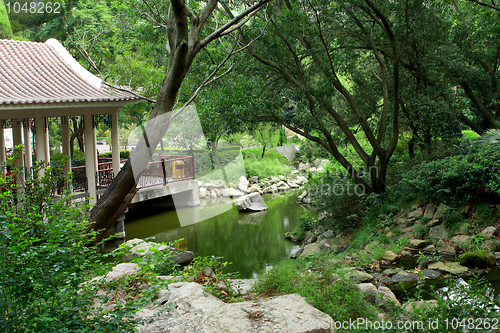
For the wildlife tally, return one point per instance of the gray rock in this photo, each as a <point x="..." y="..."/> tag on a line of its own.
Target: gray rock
<point x="242" y="286"/>
<point x="274" y="180"/>
<point x="358" y="277"/>
<point x="448" y="267"/>
<point x="328" y="234"/>
<point x="295" y="172"/>
<point x="243" y="184"/>
<point x="304" y="166"/>
<point x="411" y="306"/>
<point x="292" y="184"/>
<point x="284" y="187"/>
<point x="313" y="169"/>
<point x="194" y="310"/>
<point x="429" y="211"/>
<point x="438" y="232"/>
<point x="404" y="276"/>
<point x="253" y="180"/>
<point x="441" y="210"/>
<point x="296" y="254"/>
<point x="139" y="248"/>
<point x="369" y="292"/>
<point x="382" y="297"/>
<point x="270" y="189"/>
<point x="311" y="248"/>
<point x="255" y="188"/>
<point x="442" y="246"/>
<point x="301" y="180"/>
<point x="392" y="271"/>
<point x="203" y="192"/>
<point x="386" y="299"/>
<point x="251" y="202"/>
<point x="302" y="196"/>
<point x="214" y="193"/>
<point x="232" y="192"/>
<point x="462" y="241"/>
<point x="282" y="178"/>
<point x="390" y="256"/>
<point x="418" y="243"/>
<point x="416" y="213"/>
<point x="489" y="232"/>
<point x="430" y="274"/>
<point x="430" y="249"/>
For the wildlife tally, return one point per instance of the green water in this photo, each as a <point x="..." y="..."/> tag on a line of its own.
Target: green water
<point x="251" y="241"/>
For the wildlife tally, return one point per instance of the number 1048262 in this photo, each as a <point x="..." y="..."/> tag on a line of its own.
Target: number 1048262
<point x="35" y="7"/>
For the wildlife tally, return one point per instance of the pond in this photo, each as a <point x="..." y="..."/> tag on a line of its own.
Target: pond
<point x="252" y="242"/>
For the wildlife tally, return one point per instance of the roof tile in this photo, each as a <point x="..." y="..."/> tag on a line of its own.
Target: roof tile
<point x="34" y="73"/>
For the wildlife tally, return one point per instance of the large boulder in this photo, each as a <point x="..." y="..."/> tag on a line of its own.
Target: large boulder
<point x="194" y="310"/>
<point x="478" y="259"/>
<point x="202" y="192"/>
<point x="243" y="184"/>
<point x="251" y="203"/>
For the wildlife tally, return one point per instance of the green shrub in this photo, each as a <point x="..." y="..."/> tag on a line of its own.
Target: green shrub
<point x="45" y="258"/>
<point x="470" y="175"/>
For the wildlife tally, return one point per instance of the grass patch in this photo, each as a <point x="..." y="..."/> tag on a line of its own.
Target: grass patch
<point x="311" y="279"/>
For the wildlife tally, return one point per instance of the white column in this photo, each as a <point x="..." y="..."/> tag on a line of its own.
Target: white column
<point x="96" y="161"/>
<point x="46" y="140"/>
<point x="28" y="163"/>
<point x="17" y="139"/>
<point x="65" y="146"/>
<point x="89" y="156"/>
<point x="115" y="144"/>
<point x="39" y="138"/>
<point x="2" y="147"/>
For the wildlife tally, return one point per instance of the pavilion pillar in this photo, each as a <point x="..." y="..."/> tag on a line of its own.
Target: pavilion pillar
<point x="115" y="144"/>
<point x="17" y="139"/>
<point x="66" y="151"/>
<point x="28" y="159"/>
<point x="46" y="140"/>
<point x="94" y="135"/>
<point x="90" y="156"/>
<point x="39" y="139"/>
<point x="3" y="158"/>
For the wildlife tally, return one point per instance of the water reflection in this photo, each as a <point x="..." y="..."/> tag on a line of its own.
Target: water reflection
<point x="251" y="241"/>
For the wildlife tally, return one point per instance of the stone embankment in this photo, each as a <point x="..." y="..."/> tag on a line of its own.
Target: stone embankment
<point x="427" y="241"/>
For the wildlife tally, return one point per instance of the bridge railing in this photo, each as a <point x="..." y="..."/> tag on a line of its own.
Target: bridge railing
<point x="168" y="169"/>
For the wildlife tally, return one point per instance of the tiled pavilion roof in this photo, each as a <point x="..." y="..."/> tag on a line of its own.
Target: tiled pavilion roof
<point x="42" y="73"/>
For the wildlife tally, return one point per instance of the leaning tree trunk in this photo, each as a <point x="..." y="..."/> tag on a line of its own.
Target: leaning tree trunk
<point x="183" y="32"/>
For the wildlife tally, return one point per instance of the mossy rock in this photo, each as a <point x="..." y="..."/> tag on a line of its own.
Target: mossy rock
<point x="479" y="259"/>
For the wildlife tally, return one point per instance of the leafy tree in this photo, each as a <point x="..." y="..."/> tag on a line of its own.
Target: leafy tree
<point x="5" y="28"/>
<point x="188" y="33"/>
<point x="332" y="69"/>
